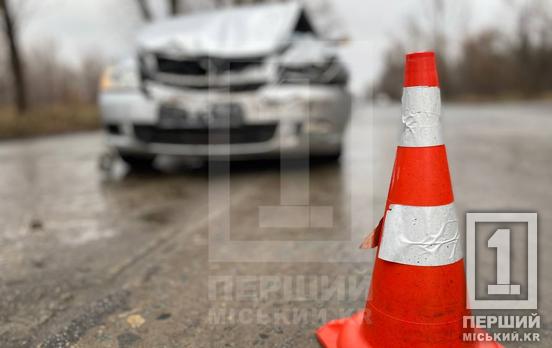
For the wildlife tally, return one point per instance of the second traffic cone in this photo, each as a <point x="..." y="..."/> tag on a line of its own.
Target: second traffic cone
<point x="418" y="293"/>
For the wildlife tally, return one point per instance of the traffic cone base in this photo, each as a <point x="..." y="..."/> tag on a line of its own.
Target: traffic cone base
<point x="349" y="333"/>
<point x="344" y="333"/>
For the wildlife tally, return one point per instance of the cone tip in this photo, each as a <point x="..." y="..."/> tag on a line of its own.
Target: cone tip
<point x="421" y="70"/>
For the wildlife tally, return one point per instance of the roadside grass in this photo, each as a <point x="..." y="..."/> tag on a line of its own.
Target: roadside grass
<point x="48" y="120"/>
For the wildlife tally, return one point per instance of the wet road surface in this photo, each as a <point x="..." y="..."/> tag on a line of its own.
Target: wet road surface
<point x="205" y="257"/>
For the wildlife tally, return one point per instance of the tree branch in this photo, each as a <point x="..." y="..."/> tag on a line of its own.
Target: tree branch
<point x="174" y="7"/>
<point x="18" y="72"/>
<point x="144" y="10"/>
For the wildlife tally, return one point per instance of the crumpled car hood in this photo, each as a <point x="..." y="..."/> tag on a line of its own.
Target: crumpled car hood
<point x="251" y="31"/>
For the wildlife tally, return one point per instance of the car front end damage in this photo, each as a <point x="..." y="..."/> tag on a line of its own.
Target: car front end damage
<point x="289" y="99"/>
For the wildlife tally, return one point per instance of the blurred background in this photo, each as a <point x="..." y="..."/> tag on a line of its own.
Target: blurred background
<point x="53" y="51"/>
<point x="93" y="254"/>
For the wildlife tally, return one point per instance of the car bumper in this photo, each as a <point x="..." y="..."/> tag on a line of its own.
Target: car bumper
<point x="306" y="120"/>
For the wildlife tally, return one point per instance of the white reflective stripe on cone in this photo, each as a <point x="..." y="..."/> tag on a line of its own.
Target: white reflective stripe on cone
<point x="421" y="236"/>
<point x="421" y="113"/>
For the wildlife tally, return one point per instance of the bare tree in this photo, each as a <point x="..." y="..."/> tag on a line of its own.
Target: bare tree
<point x="90" y="71"/>
<point x="144" y="10"/>
<point x="174" y="7"/>
<point x="11" y="32"/>
<point x="391" y="79"/>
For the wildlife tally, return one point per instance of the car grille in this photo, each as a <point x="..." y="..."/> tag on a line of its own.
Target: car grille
<point x="203" y="66"/>
<point x="205" y="136"/>
<point x="226" y="88"/>
<point x="204" y="73"/>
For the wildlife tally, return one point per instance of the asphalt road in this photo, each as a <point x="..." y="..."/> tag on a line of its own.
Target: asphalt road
<point x="203" y="257"/>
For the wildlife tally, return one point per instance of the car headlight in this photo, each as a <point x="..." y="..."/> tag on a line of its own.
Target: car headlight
<point x="120" y="77"/>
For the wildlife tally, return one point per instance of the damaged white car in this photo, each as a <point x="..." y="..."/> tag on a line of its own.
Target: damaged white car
<point x="254" y="81"/>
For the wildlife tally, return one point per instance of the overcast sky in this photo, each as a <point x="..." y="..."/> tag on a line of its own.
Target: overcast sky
<point x="108" y="26"/>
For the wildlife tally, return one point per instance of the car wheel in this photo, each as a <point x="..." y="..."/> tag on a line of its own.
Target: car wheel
<point x="138" y="162"/>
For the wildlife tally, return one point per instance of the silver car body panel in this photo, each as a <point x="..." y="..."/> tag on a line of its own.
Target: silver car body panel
<point x="288" y="106"/>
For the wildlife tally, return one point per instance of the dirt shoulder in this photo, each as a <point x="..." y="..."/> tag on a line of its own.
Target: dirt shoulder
<point x="48" y="120"/>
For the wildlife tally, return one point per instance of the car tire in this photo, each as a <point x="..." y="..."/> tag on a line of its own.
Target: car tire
<point x="138" y="162"/>
<point x="329" y="157"/>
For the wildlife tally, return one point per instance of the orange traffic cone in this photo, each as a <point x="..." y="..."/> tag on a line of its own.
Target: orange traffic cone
<point x="418" y="292"/>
